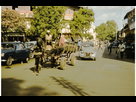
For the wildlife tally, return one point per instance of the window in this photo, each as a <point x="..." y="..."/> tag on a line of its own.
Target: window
<point x="14" y="7"/>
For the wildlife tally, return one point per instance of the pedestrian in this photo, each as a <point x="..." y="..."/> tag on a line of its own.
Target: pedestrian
<point x="38" y="55"/>
<point x="109" y="47"/>
<point x="121" y="49"/>
<point x="79" y="44"/>
<point x="100" y="45"/>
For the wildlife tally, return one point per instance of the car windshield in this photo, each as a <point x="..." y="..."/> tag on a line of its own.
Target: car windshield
<point x="87" y="44"/>
<point x="29" y="45"/>
<point x="7" y="46"/>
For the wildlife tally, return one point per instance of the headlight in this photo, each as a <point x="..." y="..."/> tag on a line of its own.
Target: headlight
<point x="2" y="54"/>
<point x="82" y="52"/>
<point x="92" y="52"/>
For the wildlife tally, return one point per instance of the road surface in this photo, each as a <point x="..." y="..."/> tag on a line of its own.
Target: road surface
<point x="107" y="76"/>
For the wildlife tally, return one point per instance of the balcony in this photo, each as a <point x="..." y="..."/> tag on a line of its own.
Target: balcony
<point x="28" y="14"/>
<point x="68" y="16"/>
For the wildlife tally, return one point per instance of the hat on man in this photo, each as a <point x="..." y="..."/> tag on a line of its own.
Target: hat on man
<point x="48" y="31"/>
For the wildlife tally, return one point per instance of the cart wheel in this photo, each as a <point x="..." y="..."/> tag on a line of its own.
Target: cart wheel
<point x="63" y="63"/>
<point x="73" y="59"/>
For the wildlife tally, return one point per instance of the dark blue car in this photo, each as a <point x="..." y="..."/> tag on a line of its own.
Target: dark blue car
<point x="11" y="51"/>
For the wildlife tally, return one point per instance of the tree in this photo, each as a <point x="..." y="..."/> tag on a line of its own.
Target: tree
<point x="112" y="29"/>
<point x="46" y="18"/>
<point x="81" y="21"/>
<point x="88" y="36"/>
<point x="12" y="21"/>
<point x="107" y="31"/>
<point x="102" y="31"/>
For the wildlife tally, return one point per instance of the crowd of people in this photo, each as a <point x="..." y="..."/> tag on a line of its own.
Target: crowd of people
<point x="120" y="47"/>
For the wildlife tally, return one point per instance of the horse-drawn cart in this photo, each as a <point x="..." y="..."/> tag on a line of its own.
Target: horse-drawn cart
<point x="66" y="55"/>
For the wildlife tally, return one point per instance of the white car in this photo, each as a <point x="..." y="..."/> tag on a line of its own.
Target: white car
<point x="87" y="50"/>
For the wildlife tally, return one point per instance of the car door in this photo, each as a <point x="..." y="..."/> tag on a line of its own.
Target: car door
<point x="21" y="53"/>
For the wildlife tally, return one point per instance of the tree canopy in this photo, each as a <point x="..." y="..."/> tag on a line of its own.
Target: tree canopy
<point x="81" y="21"/>
<point x="47" y="18"/>
<point x="12" y="21"/>
<point x="107" y="31"/>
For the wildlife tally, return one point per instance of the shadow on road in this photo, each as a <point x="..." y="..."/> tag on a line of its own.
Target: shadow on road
<point x="114" y="57"/>
<point x="68" y="85"/>
<point x="11" y="87"/>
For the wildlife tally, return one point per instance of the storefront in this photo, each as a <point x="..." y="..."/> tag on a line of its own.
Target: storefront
<point x="13" y="36"/>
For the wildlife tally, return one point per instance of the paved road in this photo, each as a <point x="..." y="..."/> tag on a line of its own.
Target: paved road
<point x="105" y="76"/>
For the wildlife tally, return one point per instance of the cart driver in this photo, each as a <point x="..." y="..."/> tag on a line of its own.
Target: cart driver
<point x="48" y="41"/>
<point x="60" y="44"/>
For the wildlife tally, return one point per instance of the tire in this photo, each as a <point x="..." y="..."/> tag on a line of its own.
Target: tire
<point x="79" y="58"/>
<point x="73" y="59"/>
<point x="95" y="59"/>
<point x="63" y="63"/>
<point x="9" y="61"/>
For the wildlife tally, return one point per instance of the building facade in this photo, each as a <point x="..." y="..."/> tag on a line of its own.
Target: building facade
<point x="28" y="11"/>
<point x="131" y="22"/>
<point x="129" y="28"/>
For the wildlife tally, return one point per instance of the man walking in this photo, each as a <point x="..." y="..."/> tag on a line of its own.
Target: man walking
<point x="121" y="49"/>
<point x="109" y="47"/>
<point x="100" y="45"/>
<point x="79" y="44"/>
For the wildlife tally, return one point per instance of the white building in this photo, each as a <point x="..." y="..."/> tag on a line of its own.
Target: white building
<point x="91" y="32"/>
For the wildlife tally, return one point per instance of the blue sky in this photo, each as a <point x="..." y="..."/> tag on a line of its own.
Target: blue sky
<point x="105" y="13"/>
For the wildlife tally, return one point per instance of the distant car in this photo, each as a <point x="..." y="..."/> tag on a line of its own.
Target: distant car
<point x="87" y="51"/>
<point x="30" y="45"/>
<point x="10" y="52"/>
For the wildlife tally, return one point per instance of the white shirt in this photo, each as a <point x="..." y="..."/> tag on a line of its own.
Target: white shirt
<point x="121" y="47"/>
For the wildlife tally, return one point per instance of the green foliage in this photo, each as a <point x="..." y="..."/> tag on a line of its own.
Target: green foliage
<point x="12" y="21"/>
<point x="47" y="18"/>
<point x="107" y="31"/>
<point x="81" y="21"/>
<point x="88" y="36"/>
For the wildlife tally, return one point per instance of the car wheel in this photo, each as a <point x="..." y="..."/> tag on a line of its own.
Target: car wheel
<point x="9" y="61"/>
<point x="79" y="58"/>
<point x="95" y="59"/>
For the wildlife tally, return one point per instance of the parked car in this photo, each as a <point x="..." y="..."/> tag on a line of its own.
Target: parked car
<point x="10" y="52"/>
<point x="30" y="45"/>
<point x="87" y="51"/>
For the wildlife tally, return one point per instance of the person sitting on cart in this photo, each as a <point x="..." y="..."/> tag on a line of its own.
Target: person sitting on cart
<point x="48" y="41"/>
<point x="59" y="46"/>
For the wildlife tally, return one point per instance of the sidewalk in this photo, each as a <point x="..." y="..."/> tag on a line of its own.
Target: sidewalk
<point x="114" y="56"/>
